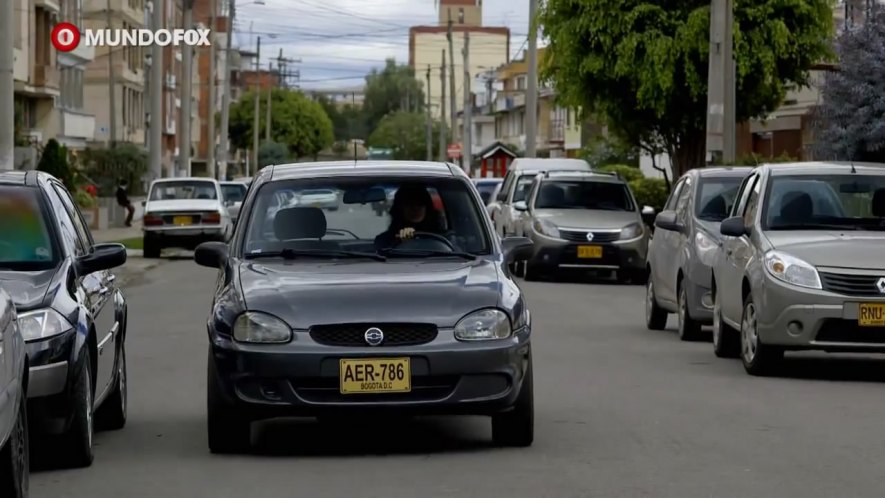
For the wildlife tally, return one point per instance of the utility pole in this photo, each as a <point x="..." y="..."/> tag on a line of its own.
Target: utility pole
<point x="452" y="115"/>
<point x="210" y="150"/>
<point x="257" y="105"/>
<point x="466" y="149"/>
<point x="720" y="140"/>
<point x="155" y="147"/>
<point x="429" y="120"/>
<point x="7" y="83"/>
<point x="269" y="95"/>
<point x="531" y="95"/>
<point x="187" y="90"/>
<point x="225" y="99"/>
<point x="442" y="109"/>
<point x="112" y="85"/>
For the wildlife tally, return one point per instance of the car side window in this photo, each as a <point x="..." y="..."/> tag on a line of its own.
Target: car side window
<point x="79" y="223"/>
<point x="752" y="203"/>
<point x="69" y="238"/>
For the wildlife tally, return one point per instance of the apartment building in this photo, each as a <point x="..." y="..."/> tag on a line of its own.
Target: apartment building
<point x="206" y="109"/>
<point x="49" y="86"/>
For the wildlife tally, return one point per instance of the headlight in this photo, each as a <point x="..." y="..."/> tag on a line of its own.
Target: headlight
<point x="546" y="228"/>
<point x="631" y="231"/>
<point x="704" y="243"/>
<point x="483" y="325"/>
<point x="253" y="326"/>
<point x="42" y="324"/>
<point x="791" y="270"/>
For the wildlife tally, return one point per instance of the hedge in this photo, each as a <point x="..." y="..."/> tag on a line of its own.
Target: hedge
<point x="650" y="192"/>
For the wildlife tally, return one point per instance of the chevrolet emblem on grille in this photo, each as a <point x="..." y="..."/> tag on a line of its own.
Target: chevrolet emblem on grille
<point x="374" y="336"/>
<point x="881" y="285"/>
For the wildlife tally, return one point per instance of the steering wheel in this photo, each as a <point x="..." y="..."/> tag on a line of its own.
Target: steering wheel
<point x="434" y="236"/>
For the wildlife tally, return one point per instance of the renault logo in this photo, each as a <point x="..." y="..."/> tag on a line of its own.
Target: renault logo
<point x="374" y="336"/>
<point x="881" y="285"/>
<point x="589" y="236"/>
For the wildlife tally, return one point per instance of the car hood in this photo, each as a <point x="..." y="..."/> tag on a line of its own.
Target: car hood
<point x="587" y="218"/>
<point x="837" y="249"/>
<point x="27" y="288"/>
<point x="306" y="293"/>
<point x="182" y="205"/>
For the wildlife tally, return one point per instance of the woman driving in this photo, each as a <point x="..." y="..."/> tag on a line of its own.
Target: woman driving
<point x="412" y="211"/>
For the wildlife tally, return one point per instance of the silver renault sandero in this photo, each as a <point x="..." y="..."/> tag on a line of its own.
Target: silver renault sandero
<point x="802" y="264"/>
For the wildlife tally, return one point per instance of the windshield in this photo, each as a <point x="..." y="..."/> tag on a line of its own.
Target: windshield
<point x="26" y="243"/>
<point x="233" y="193"/>
<point x="715" y="197"/>
<point x="425" y="218"/>
<point x="167" y="191"/>
<point x="579" y="194"/>
<point x="522" y="187"/>
<point x="851" y="201"/>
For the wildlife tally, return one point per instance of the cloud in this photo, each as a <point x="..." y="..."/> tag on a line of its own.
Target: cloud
<point x="340" y="41"/>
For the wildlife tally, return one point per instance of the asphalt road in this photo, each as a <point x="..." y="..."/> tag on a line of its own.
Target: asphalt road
<point x="621" y="411"/>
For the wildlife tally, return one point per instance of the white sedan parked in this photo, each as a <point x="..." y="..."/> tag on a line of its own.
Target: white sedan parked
<point x="184" y="212"/>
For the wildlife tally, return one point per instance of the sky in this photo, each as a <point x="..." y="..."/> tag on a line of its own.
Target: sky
<point x="340" y="41"/>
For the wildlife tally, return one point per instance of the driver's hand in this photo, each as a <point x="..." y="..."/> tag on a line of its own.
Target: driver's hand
<point x="406" y="233"/>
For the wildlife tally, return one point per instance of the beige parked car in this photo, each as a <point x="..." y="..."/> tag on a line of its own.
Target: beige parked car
<point x="802" y="264"/>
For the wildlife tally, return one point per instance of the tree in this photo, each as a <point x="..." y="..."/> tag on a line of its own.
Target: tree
<point x="106" y="167"/>
<point x="851" y="119"/>
<point x="405" y="133"/>
<point x="272" y="153"/>
<point x="296" y="122"/>
<point x="642" y="64"/>
<point x="55" y="162"/>
<point x="392" y="89"/>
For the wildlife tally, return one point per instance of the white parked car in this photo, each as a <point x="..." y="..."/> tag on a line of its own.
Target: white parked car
<point x="233" y="194"/>
<point x="320" y="198"/>
<point x="184" y="212"/>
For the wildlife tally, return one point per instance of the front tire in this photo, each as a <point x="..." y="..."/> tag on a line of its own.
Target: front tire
<point x="15" y="458"/>
<point x="517" y="427"/>
<point x="229" y="431"/>
<point x="151" y="248"/>
<point x="655" y="316"/>
<point x="689" y="328"/>
<point x="112" y="414"/>
<point x="76" y="445"/>
<point x="759" y="359"/>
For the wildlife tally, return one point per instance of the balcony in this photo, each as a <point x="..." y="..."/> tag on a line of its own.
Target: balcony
<point x="46" y="76"/>
<point x="78" y="125"/>
<point x="557" y="131"/>
<point x="509" y="101"/>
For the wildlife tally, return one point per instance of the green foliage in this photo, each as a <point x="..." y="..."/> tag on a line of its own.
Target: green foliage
<point x="272" y="153"/>
<point x="628" y="173"/>
<point x="84" y="200"/>
<point x="106" y="167"/>
<point x="55" y="162"/>
<point x="602" y="151"/>
<point x="348" y="121"/>
<point x="650" y="192"/>
<point x="405" y="133"/>
<point x="394" y="88"/>
<point x="298" y="122"/>
<point x="642" y="64"/>
<point x="753" y="159"/>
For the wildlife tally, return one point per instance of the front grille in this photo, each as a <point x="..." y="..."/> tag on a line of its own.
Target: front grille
<point x="353" y="334"/>
<point x="851" y="285"/>
<point x="839" y="330"/>
<point x="327" y="390"/>
<point x="581" y="236"/>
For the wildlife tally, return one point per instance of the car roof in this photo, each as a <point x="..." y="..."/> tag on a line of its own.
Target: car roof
<point x="536" y="163"/>
<point x="813" y="168"/>
<point x="487" y="180"/>
<point x="723" y="171"/>
<point x="185" y="179"/>
<point x="12" y="177"/>
<point x="596" y="176"/>
<point x="364" y="168"/>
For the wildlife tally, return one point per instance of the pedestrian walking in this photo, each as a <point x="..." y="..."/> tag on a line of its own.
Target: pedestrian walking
<point x="123" y="200"/>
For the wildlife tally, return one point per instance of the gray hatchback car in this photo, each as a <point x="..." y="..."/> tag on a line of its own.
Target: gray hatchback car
<point x="348" y="313"/>
<point x="802" y="266"/>
<point x="681" y="251"/>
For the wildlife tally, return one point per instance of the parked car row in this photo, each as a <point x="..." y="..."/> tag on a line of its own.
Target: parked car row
<point x="63" y="325"/>
<point x="782" y="257"/>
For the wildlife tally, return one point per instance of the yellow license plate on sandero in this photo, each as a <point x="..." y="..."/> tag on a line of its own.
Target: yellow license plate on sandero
<point x="182" y="220"/>
<point x="871" y="315"/>
<point x="594" y="252"/>
<point x="375" y="375"/>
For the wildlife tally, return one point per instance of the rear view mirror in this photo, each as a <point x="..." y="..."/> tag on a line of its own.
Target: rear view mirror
<point x="365" y="196"/>
<point x="517" y="249"/>
<point x="733" y="227"/>
<point x="855" y="188"/>
<point x="520" y="206"/>
<point x="102" y="257"/>
<point x="666" y="220"/>
<point x="211" y="254"/>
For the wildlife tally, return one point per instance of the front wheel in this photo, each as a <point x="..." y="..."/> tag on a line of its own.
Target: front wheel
<point x="758" y="358"/>
<point x="76" y="445"/>
<point x="689" y="328"/>
<point x="14" y="457"/>
<point x="655" y="316"/>
<point x="112" y="414"/>
<point x="517" y="427"/>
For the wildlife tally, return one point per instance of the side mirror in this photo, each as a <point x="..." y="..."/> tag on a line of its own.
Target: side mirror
<point x="102" y="257"/>
<point x="648" y="215"/>
<point x="211" y="254"/>
<point x="520" y="206"/>
<point x="733" y="227"/>
<point x="517" y="249"/>
<point x="666" y="220"/>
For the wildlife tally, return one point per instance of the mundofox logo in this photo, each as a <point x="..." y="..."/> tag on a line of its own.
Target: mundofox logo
<point x="67" y="37"/>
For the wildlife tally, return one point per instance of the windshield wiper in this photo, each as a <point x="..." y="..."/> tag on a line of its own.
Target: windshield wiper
<point x="404" y="253"/>
<point x="315" y="253"/>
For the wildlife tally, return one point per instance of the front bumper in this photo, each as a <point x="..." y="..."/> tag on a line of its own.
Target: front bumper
<point x="620" y="255"/>
<point x="48" y="380"/>
<point x="302" y="378"/>
<point x="799" y="318"/>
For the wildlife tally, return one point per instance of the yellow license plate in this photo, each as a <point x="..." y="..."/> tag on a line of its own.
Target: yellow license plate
<point x="590" y="252"/>
<point x="871" y="315"/>
<point x="182" y="220"/>
<point x="375" y="375"/>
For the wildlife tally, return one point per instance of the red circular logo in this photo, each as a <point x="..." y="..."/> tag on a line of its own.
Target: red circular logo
<point x="65" y="36"/>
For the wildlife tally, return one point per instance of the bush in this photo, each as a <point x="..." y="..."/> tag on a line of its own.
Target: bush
<point x="628" y="173"/>
<point x="106" y="167"/>
<point x="55" y="162"/>
<point x="650" y="192"/>
<point x="272" y="153"/>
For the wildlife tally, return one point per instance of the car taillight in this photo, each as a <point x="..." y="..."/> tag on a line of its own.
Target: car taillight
<point x="211" y="217"/>
<point x="152" y="220"/>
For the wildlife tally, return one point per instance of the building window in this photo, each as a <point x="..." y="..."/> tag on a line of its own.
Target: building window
<point x="71" y="83"/>
<point x="461" y="16"/>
